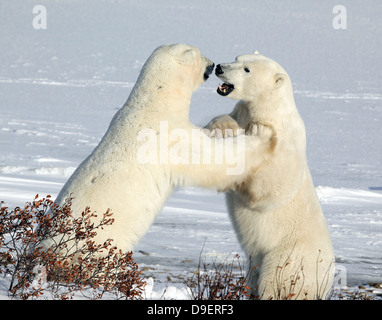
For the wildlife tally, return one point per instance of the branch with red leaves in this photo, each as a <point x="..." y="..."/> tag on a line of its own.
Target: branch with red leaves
<point x="73" y="263"/>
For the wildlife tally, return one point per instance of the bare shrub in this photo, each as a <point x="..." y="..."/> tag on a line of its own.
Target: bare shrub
<point x="218" y="281"/>
<point x="73" y="263"/>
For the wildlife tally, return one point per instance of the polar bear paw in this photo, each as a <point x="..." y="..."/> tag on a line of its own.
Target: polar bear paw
<point x="223" y="126"/>
<point x="265" y="131"/>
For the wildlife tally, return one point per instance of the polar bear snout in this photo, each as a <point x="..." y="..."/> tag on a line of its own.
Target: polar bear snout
<point x="219" y="70"/>
<point x="226" y="88"/>
<point x="209" y="70"/>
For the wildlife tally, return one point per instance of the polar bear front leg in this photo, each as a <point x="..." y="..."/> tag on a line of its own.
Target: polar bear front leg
<point x="225" y="162"/>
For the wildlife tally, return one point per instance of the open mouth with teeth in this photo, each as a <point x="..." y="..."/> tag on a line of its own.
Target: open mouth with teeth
<point x="225" y="89"/>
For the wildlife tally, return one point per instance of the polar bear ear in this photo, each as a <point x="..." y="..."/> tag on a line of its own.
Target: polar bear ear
<point x="187" y="57"/>
<point x="256" y="52"/>
<point x="280" y="78"/>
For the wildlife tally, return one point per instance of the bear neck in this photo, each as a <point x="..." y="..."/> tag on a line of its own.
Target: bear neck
<point x="161" y="101"/>
<point x="274" y="108"/>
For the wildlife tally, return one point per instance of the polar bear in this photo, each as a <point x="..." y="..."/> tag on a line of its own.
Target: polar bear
<point x="151" y="147"/>
<point x="275" y="211"/>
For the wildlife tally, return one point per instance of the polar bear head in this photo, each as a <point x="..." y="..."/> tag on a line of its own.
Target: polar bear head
<point x="177" y="63"/>
<point x="249" y="76"/>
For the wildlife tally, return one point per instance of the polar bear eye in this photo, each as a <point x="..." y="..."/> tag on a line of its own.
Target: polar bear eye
<point x="247" y="70"/>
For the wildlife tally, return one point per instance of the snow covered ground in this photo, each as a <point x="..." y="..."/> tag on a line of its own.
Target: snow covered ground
<point x="60" y="87"/>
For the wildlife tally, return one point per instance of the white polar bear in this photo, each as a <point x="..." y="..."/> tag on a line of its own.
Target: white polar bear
<point x="276" y="212"/>
<point x="150" y="148"/>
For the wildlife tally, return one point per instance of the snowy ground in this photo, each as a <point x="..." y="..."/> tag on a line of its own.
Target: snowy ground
<point x="60" y="87"/>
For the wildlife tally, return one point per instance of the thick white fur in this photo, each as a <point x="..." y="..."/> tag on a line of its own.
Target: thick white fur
<point x="114" y="177"/>
<point x="276" y="212"/>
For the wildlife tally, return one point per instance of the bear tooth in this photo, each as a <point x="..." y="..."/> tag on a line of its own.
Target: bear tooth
<point x="222" y="89"/>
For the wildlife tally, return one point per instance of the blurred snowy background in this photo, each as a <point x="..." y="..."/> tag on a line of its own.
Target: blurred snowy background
<point x="60" y="87"/>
